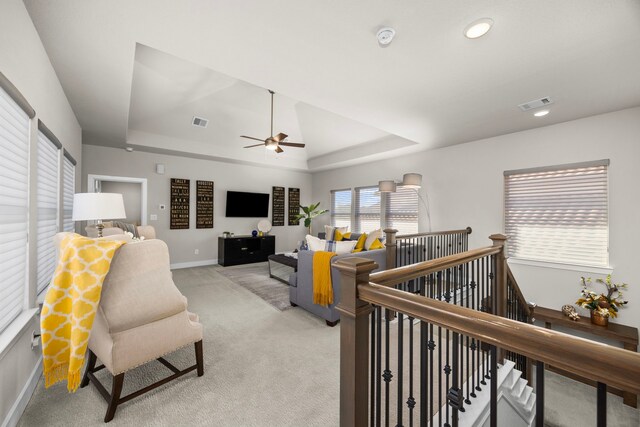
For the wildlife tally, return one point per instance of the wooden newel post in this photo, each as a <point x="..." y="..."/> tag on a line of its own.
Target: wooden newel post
<point x="501" y="275"/>
<point x="392" y="247"/>
<point x="354" y="341"/>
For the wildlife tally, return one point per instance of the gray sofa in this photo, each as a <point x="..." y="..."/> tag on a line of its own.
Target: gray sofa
<point x="301" y="283"/>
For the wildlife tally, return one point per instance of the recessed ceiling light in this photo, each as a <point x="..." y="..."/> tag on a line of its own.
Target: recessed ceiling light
<point x="541" y="113"/>
<point x="129" y="149"/>
<point x="385" y="35"/>
<point x="478" y="28"/>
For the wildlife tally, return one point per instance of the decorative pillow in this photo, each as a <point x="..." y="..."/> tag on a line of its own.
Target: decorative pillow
<point x="344" y="247"/>
<point x="315" y="244"/>
<point x="331" y="232"/>
<point x="371" y="237"/>
<point x="360" y="244"/>
<point x="377" y="244"/>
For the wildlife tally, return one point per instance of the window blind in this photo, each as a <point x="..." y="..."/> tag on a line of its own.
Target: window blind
<point x="341" y="208"/>
<point x="559" y="214"/>
<point x="402" y="210"/>
<point x="47" y="194"/>
<point x="367" y="209"/>
<point x="68" y="189"/>
<point x="14" y="197"/>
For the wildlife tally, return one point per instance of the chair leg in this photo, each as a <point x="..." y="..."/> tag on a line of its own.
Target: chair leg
<point x="91" y="364"/>
<point x="199" y="358"/>
<point x="116" y="389"/>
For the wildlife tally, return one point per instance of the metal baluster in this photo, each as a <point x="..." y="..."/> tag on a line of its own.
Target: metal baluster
<point x="424" y="336"/>
<point x="484" y="308"/>
<point x="494" y="387"/>
<point x="468" y="374"/>
<point x="378" y="366"/>
<point x="387" y="372"/>
<point x="602" y="405"/>
<point x="373" y="366"/>
<point x="474" y="346"/>
<point x="539" y="394"/>
<point x="455" y="397"/>
<point x="447" y="366"/>
<point x="440" y="351"/>
<point x="411" y="401"/>
<point x="400" y="367"/>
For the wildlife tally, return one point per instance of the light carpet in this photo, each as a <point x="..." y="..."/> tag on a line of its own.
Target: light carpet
<point x="263" y="367"/>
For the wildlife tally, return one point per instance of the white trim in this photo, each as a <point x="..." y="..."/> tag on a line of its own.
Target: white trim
<point x="10" y="335"/>
<point x="190" y="264"/>
<point x="91" y="180"/>
<point x="16" y="411"/>
<point x="561" y="266"/>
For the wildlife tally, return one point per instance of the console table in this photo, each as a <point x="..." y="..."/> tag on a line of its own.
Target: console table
<point x="627" y="335"/>
<point x="245" y="249"/>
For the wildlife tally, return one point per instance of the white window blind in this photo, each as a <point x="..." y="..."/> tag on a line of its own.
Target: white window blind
<point x="341" y="208"/>
<point x="402" y="210"/>
<point x="559" y="214"/>
<point x="367" y="209"/>
<point x="14" y="197"/>
<point x="68" y="189"/>
<point x="47" y="194"/>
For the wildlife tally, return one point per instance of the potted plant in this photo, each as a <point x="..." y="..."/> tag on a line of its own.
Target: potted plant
<point x="308" y="213"/>
<point x="602" y="306"/>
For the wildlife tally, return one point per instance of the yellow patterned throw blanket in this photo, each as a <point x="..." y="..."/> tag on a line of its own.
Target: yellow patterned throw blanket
<point x="70" y="306"/>
<point x="322" y="286"/>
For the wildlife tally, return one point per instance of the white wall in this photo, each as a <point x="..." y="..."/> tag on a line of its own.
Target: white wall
<point x="131" y="193"/>
<point x="465" y="188"/>
<point x="25" y="63"/>
<point x="226" y="176"/>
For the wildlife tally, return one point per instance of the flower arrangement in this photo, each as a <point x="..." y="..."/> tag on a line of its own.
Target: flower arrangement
<point x="603" y="305"/>
<point x="133" y="238"/>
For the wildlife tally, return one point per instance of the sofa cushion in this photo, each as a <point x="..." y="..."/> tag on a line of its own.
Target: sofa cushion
<point x="315" y="244"/>
<point x="343" y="247"/>
<point x="371" y="237"/>
<point x="334" y="233"/>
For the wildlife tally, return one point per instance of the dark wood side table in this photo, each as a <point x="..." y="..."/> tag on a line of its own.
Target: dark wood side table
<point x="627" y="335"/>
<point x="284" y="260"/>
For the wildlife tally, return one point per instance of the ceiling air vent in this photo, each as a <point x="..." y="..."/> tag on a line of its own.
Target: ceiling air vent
<point x="199" y="122"/>
<point x="537" y="103"/>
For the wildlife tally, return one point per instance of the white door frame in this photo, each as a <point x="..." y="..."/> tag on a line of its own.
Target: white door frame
<point x="91" y="186"/>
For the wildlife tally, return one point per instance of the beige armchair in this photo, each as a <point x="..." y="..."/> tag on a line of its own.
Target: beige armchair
<point x="141" y="317"/>
<point x="146" y="231"/>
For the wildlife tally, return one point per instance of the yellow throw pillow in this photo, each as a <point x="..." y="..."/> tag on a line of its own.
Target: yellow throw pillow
<point x="337" y="235"/>
<point x="377" y="244"/>
<point x="346" y="236"/>
<point x="356" y="251"/>
<point x="361" y="240"/>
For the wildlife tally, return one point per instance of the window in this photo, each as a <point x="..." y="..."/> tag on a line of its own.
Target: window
<point x="559" y="214"/>
<point x="367" y="209"/>
<point x="402" y="210"/>
<point x="14" y="198"/>
<point x="47" y="193"/>
<point x="68" y="189"/>
<point x="341" y="208"/>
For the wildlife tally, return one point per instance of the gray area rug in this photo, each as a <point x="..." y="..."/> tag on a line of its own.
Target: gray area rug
<point x="255" y="278"/>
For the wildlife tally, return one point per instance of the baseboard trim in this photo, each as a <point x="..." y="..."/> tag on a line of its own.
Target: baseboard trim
<point x="189" y="264"/>
<point x="21" y="402"/>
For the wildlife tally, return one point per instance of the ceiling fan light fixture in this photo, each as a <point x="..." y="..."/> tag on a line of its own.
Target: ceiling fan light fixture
<point x="271" y="144"/>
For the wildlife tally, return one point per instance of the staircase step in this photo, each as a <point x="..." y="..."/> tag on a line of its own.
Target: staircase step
<point x="519" y="388"/>
<point x="531" y="403"/>
<point x="526" y="393"/>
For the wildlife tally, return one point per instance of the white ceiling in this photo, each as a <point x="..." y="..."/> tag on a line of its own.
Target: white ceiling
<point x="432" y="85"/>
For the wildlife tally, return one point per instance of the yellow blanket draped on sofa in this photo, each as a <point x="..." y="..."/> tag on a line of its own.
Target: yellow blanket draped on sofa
<point x="70" y="306"/>
<point x="322" y="286"/>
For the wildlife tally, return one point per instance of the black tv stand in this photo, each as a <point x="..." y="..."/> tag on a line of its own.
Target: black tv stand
<point x="245" y="249"/>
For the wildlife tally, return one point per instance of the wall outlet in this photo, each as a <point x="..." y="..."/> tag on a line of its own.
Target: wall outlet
<point x="197" y="251"/>
<point x="153" y="217"/>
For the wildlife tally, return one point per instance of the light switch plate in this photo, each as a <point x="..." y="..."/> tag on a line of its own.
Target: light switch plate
<point x="153" y="217"/>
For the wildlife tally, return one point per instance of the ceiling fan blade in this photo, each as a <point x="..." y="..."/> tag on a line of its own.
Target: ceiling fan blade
<point x="279" y="150"/>
<point x="292" y="144"/>
<point x="280" y="137"/>
<point x="250" y="137"/>
<point x="251" y="146"/>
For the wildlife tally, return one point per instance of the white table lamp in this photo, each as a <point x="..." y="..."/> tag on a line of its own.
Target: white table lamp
<point x="98" y="207"/>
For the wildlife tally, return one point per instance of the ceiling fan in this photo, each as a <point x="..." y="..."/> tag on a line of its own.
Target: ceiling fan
<point x="273" y="142"/>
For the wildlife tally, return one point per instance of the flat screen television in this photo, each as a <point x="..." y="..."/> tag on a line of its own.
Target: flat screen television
<point x="247" y="205"/>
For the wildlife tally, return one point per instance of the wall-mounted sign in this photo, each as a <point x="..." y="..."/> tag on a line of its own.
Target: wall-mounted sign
<point x="277" y="207"/>
<point x="204" y="204"/>
<point x="294" y="205"/>
<point x="180" y="197"/>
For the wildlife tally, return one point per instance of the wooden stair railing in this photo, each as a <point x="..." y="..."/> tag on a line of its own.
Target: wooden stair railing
<point x="456" y="342"/>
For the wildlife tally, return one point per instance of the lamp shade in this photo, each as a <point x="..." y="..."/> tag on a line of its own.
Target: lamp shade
<point x="93" y="206"/>
<point x="387" y="186"/>
<point x="412" y="180"/>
